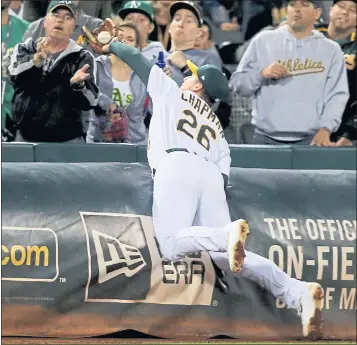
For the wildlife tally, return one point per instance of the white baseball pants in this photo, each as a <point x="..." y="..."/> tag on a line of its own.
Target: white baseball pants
<point x="188" y="190"/>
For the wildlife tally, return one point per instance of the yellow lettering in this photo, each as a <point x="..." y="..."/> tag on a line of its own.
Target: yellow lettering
<point x="6" y="259"/>
<point x="307" y="63"/>
<point x="22" y="250"/>
<point x="302" y="67"/>
<point x="37" y="250"/>
<point x="26" y="255"/>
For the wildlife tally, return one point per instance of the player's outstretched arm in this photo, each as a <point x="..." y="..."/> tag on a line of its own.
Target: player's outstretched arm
<point x="133" y="58"/>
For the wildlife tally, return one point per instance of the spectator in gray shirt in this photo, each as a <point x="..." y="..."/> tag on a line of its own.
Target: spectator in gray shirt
<point x="204" y="40"/>
<point x="36" y="29"/>
<point x="184" y="29"/>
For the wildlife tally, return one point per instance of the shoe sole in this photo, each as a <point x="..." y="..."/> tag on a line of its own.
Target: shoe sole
<point x="314" y="327"/>
<point x="236" y="242"/>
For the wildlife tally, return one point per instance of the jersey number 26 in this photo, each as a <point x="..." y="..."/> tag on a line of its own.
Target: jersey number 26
<point x="203" y="134"/>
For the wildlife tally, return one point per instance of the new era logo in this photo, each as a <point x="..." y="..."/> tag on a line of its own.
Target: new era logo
<point x="124" y="265"/>
<point x="115" y="258"/>
<point x="119" y="264"/>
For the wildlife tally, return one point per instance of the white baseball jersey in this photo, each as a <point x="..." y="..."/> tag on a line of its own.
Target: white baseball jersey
<point x="183" y="120"/>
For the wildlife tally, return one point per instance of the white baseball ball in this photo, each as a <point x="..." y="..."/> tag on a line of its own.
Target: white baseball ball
<point x="104" y="37"/>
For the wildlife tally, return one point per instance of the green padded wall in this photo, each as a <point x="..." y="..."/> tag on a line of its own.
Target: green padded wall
<point x="338" y="158"/>
<point x="267" y="157"/>
<point x="243" y="156"/>
<point x="141" y="154"/>
<point x="77" y="153"/>
<point x="17" y="152"/>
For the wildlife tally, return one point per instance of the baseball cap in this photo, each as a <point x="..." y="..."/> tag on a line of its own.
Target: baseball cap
<point x="317" y="3"/>
<point x="70" y="5"/>
<point x="187" y="5"/>
<point x="213" y="80"/>
<point x="335" y="1"/>
<point x="143" y="7"/>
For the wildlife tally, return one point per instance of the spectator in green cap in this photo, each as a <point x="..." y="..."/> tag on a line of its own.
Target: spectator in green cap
<point x="141" y="13"/>
<point x="37" y="30"/>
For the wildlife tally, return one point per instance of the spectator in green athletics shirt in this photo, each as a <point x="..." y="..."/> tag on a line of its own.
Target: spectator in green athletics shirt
<point x="12" y="32"/>
<point x="342" y="29"/>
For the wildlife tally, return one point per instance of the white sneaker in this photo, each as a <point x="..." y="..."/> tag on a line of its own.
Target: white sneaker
<point x="311" y="305"/>
<point x="235" y="244"/>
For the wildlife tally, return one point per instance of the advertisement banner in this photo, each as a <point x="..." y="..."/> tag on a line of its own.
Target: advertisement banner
<point x="80" y="257"/>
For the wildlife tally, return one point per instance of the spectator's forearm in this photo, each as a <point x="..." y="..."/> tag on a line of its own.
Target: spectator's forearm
<point x="247" y="79"/>
<point x="246" y="82"/>
<point x="22" y="60"/>
<point x="336" y="94"/>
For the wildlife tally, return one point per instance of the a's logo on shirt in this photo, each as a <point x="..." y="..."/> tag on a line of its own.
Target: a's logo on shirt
<point x="121" y="98"/>
<point x="80" y="40"/>
<point x="350" y="60"/>
<point x="300" y="67"/>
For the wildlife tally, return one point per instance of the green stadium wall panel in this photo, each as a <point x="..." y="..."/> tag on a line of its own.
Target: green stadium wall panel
<point x="79" y="256"/>
<point x="77" y="153"/>
<point x="339" y="158"/>
<point x="256" y="156"/>
<point x="17" y="152"/>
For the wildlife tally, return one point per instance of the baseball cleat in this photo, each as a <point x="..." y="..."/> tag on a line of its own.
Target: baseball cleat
<point x="311" y="305"/>
<point x="235" y="244"/>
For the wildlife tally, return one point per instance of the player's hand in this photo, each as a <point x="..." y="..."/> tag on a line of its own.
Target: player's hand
<point x="105" y="48"/>
<point x="342" y="142"/>
<point x="321" y="138"/>
<point x="167" y="71"/>
<point x="42" y="50"/>
<point x="274" y="71"/>
<point x="101" y="36"/>
<point x="178" y="59"/>
<point x="81" y="75"/>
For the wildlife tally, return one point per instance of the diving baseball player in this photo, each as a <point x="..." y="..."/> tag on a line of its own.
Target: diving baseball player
<point x="190" y="161"/>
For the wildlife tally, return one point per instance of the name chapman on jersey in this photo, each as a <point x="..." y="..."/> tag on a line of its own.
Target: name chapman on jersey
<point x="203" y="109"/>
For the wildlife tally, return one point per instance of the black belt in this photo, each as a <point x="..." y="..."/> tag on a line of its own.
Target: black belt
<point x="181" y="150"/>
<point x="177" y="150"/>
